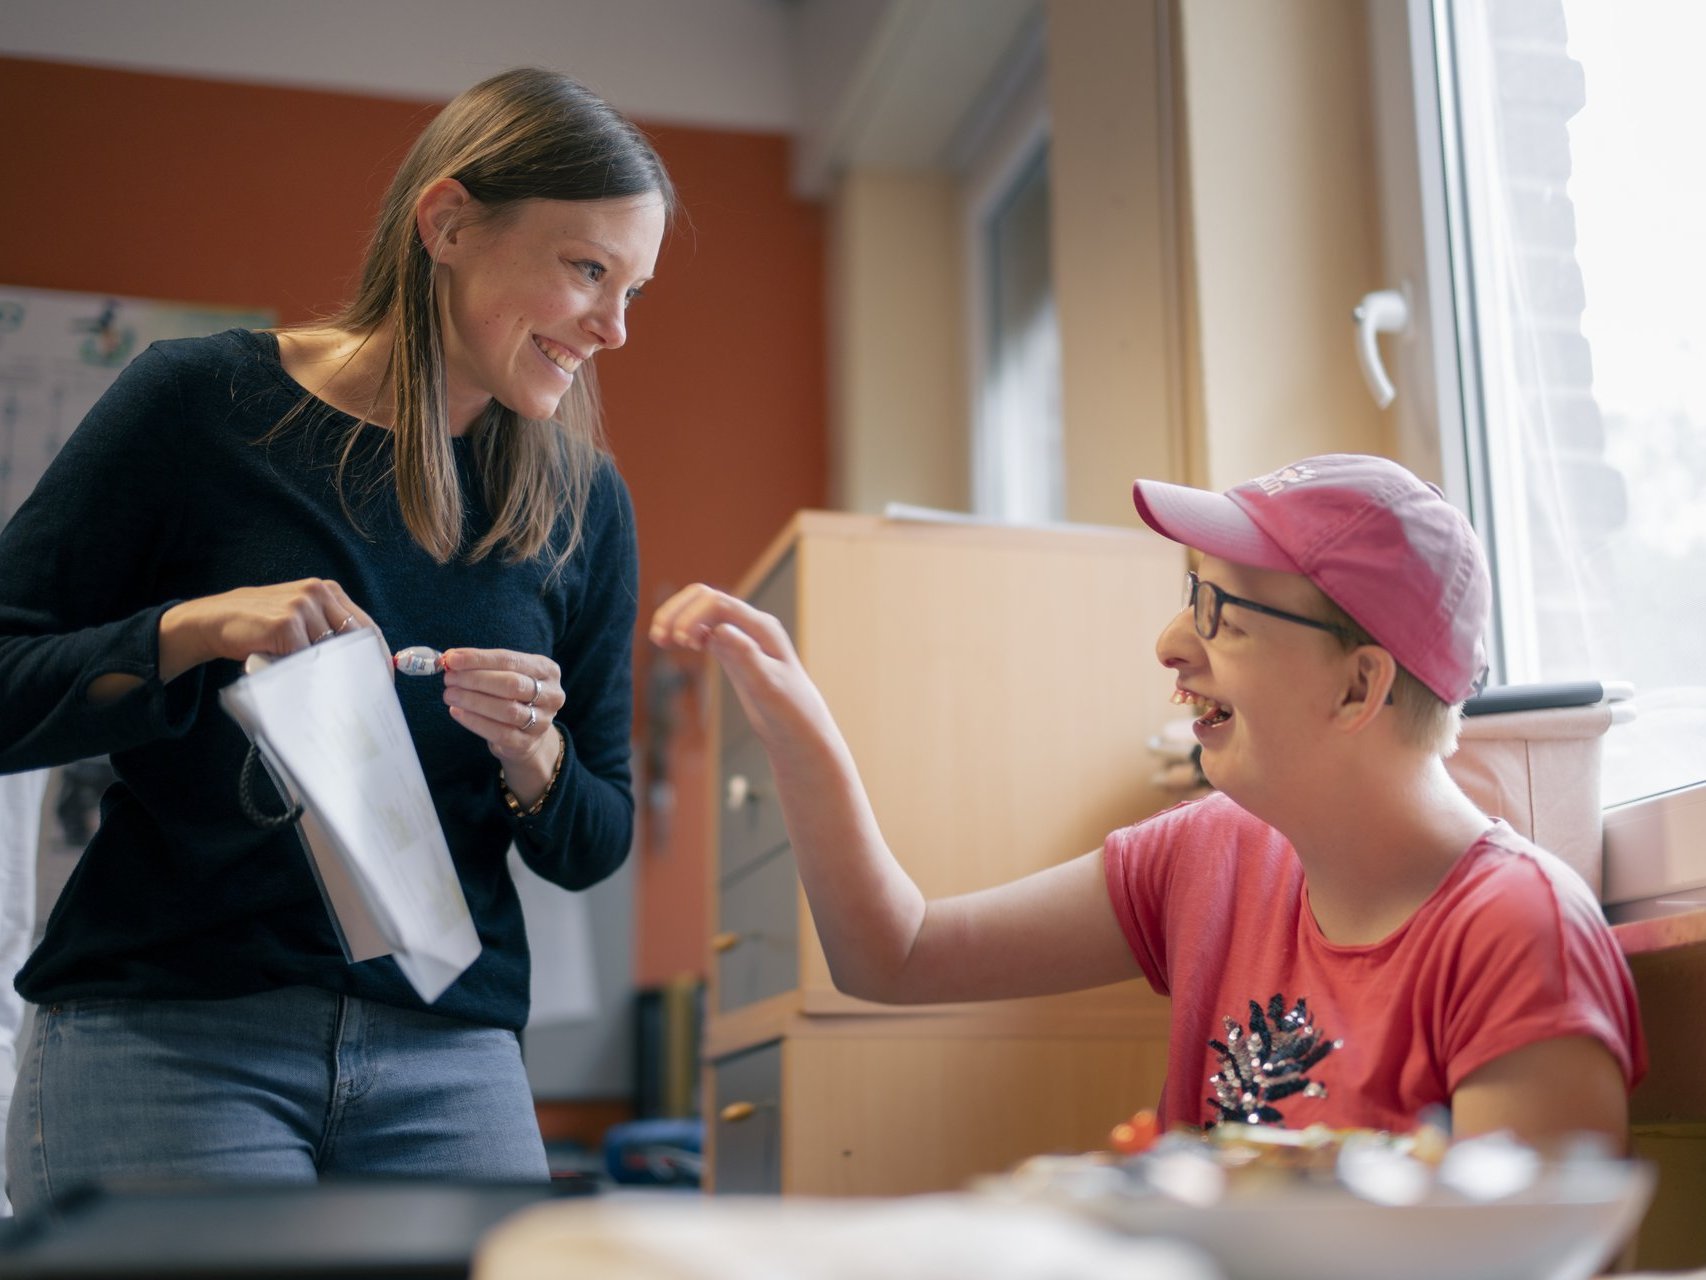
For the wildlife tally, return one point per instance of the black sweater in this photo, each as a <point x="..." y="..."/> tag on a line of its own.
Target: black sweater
<point x="165" y="493"/>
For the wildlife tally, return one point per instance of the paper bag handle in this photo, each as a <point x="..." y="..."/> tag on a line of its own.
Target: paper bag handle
<point x="246" y="795"/>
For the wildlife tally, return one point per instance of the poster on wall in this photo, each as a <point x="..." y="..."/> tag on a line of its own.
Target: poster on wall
<point x="60" y="351"/>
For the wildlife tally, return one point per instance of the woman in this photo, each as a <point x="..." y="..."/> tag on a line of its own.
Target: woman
<point x="427" y="462"/>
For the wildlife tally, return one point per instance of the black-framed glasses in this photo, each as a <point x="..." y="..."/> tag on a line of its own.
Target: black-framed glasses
<point x="1205" y="601"/>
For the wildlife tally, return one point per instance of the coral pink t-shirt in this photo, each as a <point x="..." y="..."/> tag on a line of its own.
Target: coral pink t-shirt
<point x="1272" y="1022"/>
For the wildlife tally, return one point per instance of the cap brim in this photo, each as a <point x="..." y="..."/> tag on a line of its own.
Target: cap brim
<point x="1210" y="522"/>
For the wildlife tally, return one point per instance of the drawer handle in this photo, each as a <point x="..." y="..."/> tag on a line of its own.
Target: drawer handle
<point x="725" y="942"/>
<point x="735" y="1112"/>
<point x="740" y="793"/>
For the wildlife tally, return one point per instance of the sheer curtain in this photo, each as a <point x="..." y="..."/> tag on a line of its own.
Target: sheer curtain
<point x="1580" y="240"/>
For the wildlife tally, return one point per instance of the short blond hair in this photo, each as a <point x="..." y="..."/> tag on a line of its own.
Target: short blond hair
<point x="1424" y="718"/>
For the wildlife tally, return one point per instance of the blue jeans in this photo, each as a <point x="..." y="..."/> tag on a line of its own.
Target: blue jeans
<point x="284" y="1086"/>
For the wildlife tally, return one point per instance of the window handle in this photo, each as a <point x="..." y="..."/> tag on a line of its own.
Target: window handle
<point x="1383" y="311"/>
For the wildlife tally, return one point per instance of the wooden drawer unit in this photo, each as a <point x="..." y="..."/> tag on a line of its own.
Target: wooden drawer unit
<point x="775" y="593"/>
<point x="758" y="940"/>
<point x="998" y="690"/>
<point x="749" y="825"/>
<point x="747" y="1125"/>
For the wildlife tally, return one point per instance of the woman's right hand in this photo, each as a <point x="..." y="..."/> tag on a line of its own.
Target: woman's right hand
<point x="277" y="620"/>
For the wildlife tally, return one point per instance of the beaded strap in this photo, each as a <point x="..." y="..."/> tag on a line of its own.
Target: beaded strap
<point x="533" y="809"/>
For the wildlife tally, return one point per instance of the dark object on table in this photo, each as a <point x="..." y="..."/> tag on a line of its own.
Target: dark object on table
<point x="398" y="1230"/>
<point x="655" y="1153"/>
<point x="1537" y="697"/>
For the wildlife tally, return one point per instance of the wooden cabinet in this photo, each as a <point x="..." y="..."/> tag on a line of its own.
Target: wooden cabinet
<point x="998" y="687"/>
<point x="1667" y="1113"/>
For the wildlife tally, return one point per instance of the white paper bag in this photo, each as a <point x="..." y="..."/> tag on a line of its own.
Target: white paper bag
<point x="328" y="722"/>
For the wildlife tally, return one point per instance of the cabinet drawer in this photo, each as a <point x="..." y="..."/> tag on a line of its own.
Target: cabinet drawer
<point x="749" y="820"/>
<point x="758" y="926"/>
<point x="777" y="595"/>
<point x="747" y="1134"/>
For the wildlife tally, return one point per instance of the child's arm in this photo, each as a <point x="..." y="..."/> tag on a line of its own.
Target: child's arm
<point x="1049" y="932"/>
<point x="1544" y="1091"/>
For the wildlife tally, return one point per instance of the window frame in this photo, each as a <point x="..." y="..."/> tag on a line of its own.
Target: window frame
<point x="1008" y="130"/>
<point x="1437" y="360"/>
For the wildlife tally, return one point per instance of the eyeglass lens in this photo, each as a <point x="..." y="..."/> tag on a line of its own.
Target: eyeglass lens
<point x="1203" y="600"/>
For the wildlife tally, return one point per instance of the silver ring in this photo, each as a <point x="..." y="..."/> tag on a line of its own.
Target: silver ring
<point x="347" y="620"/>
<point x="324" y="635"/>
<point x="532" y="719"/>
<point x="536" y="689"/>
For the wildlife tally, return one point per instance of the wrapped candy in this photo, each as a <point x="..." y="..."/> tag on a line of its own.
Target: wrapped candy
<point x="418" y="660"/>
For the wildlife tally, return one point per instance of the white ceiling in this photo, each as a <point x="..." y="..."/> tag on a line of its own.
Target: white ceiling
<point x="896" y="83"/>
<point x="878" y="83"/>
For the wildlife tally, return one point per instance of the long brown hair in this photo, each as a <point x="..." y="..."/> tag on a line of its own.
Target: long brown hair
<point x="523" y="134"/>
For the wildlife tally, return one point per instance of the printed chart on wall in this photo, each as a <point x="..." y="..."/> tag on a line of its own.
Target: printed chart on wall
<point x="60" y="351"/>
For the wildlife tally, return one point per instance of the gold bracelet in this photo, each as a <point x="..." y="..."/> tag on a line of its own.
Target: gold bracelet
<point x="533" y="809"/>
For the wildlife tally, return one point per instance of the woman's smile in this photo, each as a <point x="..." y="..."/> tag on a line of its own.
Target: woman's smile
<point x="564" y="358"/>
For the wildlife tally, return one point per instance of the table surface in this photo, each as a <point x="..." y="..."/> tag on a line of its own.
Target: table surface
<point x="417" y="1230"/>
<point x="1662" y="933"/>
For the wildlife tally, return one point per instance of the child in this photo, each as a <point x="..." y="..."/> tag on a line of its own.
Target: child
<point x="1346" y="939"/>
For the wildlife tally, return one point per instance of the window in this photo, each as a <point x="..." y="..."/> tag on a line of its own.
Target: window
<point x="1562" y="334"/>
<point x="1017" y="463"/>
<point x="1017" y="472"/>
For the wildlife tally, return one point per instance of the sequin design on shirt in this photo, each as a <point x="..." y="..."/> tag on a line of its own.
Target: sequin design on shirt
<point x="1267" y="1063"/>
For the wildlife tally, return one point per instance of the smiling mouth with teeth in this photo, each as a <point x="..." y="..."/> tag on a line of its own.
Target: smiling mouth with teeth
<point x="1209" y="712"/>
<point x="562" y="357"/>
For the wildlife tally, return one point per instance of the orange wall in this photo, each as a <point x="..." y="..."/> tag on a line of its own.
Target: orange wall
<point x="204" y="191"/>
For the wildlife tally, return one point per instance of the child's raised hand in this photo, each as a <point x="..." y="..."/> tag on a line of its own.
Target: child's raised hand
<point x="753" y="649"/>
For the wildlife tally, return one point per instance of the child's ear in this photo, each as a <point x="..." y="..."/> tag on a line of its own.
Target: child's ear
<point x="1372" y="672"/>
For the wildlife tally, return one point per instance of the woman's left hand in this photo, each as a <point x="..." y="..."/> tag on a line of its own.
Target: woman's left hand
<point x="509" y="699"/>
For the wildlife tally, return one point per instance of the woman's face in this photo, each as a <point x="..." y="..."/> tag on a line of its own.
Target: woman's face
<point x="527" y="297"/>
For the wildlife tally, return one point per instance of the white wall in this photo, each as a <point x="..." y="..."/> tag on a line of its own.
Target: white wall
<point x="1282" y="229"/>
<point x="860" y="83"/>
<point x="898" y="410"/>
<point x="1116" y="272"/>
<point x="717" y="63"/>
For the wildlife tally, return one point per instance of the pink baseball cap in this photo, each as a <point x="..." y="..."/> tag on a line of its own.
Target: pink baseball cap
<point x="1383" y="545"/>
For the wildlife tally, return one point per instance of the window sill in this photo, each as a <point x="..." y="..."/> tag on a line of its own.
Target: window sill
<point x="1655" y="870"/>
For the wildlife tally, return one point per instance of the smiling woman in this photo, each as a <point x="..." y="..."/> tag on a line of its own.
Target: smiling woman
<point x="428" y="462"/>
<point x="531" y="291"/>
<point x="517" y="193"/>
